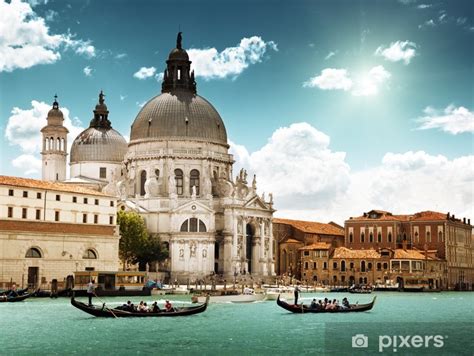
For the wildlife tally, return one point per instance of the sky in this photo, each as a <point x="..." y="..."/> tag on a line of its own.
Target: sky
<point x="338" y="107"/>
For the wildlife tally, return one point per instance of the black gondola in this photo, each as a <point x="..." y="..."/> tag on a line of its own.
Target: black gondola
<point x="301" y="308"/>
<point x="11" y="299"/>
<point x="105" y="312"/>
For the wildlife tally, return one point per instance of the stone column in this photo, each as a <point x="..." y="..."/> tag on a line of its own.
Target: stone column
<point x="270" y="250"/>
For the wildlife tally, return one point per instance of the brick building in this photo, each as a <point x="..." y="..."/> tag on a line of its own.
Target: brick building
<point x="291" y="235"/>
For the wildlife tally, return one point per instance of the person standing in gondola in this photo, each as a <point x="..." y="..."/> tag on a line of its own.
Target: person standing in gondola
<point x="297" y="294"/>
<point x="90" y="290"/>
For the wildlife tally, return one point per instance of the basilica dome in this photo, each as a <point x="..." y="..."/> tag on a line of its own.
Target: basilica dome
<point x="100" y="142"/>
<point x="178" y="113"/>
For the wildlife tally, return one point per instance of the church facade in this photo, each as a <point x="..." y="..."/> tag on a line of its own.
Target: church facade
<point x="177" y="174"/>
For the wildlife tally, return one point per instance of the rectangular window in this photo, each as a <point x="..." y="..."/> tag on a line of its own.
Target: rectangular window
<point x="325" y="265"/>
<point x="306" y="253"/>
<point x="96" y="201"/>
<point x="111" y="203"/>
<point x="25" y="194"/>
<point x="38" y="214"/>
<point x="111" y="220"/>
<point x="74" y="199"/>
<point x="10" y="212"/>
<point x="306" y="265"/>
<point x="58" y="197"/>
<point x="315" y="265"/>
<point x="24" y="213"/>
<point x="96" y="219"/>
<point x="38" y="195"/>
<point x="103" y="172"/>
<point x="334" y="265"/>
<point x="10" y="192"/>
<point x="85" y="200"/>
<point x="56" y="216"/>
<point x="84" y="218"/>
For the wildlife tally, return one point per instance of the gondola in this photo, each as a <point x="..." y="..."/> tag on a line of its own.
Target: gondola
<point x="105" y="312"/>
<point x="302" y="309"/>
<point x="18" y="298"/>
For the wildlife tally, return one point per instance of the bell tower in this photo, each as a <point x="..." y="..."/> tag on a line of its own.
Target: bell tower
<point x="54" y="145"/>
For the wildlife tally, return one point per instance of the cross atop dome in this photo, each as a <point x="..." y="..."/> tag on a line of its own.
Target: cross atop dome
<point x="55" y="103"/>
<point x="178" y="74"/>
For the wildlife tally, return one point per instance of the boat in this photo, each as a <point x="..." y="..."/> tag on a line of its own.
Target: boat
<point x="273" y="293"/>
<point x="11" y="299"/>
<point x="339" y="289"/>
<point x="301" y="308"/>
<point x="388" y="286"/>
<point x="360" y="289"/>
<point x="249" y="296"/>
<point x="105" y="312"/>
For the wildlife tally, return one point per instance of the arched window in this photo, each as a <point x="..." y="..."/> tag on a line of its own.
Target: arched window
<point x="371" y="237"/>
<point x="369" y="266"/>
<point x="33" y="253"/>
<point x="428" y="236"/>
<point x="343" y="266"/>
<point x="193" y="225"/>
<point x="389" y="237"/>
<point x="379" y="237"/>
<point x="350" y="237"/>
<point x="90" y="255"/>
<point x="440" y="236"/>
<point x="362" y="266"/>
<point x="379" y="266"/>
<point x="416" y="237"/>
<point x="194" y="181"/>
<point x="178" y="176"/>
<point x="51" y="143"/>
<point x="58" y="144"/>
<point x="142" y="182"/>
<point x="385" y="265"/>
<point x="362" y="237"/>
<point x="46" y="144"/>
<point x="63" y="146"/>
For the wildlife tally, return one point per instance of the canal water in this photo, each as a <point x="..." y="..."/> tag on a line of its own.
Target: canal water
<point x="400" y="323"/>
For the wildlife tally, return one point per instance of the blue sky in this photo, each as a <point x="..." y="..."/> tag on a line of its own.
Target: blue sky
<point x="355" y="91"/>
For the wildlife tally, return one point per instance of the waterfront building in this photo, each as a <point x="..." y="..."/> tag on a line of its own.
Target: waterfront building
<point x="177" y="174"/>
<point x="291" y="235"/>
<point x="48" y="230"/>
<point x="449" y="237"/>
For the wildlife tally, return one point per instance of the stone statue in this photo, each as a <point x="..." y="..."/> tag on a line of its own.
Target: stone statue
<point x="254" y="182"/>
<point x="270" y="196"/>
<point x="179" y="39"/>
<point x="204" y="253"/>
<point x="192" y="249"/>
<point x="181" y="252"/>
<point x="263" y="196"/>
<point x="193" y="192"/>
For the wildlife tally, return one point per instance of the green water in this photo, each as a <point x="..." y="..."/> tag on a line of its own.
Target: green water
<point x="54" y="327"/>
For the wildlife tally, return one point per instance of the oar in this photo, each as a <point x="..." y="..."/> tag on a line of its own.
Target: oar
<point x="110" y="310"/>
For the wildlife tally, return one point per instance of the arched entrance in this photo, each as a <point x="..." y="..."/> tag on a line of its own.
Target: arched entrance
<point x="248" y="243"/>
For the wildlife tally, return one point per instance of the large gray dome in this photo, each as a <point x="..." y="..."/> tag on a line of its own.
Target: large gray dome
<point x="98" y="145"/>
<point x="180" y="114"/>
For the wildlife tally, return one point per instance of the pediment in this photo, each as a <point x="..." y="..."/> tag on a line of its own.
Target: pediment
<point x="193" y="206"/>
<point x="256" y="203"/>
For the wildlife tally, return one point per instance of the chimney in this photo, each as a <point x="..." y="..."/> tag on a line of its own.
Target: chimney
<point x="447" y="215"/>
<point x="469" y="221"/>
<point x="454" y="218"/>
<point x="463" y="220"/>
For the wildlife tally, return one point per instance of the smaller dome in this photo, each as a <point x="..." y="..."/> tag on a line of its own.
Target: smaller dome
<point x="179" y="54"/>
<point x="98" y="145"/>
<point x="55" y="113"/>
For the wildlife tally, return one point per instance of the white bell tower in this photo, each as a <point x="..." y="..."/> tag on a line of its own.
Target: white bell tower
<point x="54" y="145"/>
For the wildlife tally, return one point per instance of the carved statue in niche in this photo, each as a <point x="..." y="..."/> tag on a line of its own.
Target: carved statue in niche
<point x="193" y="192"/>
<point x="270" y="196"/>
<point x="192" y="249"/>
<point x="254" y="182"/>
<point x="181" y="253"/>
<point x="267" y="244"/>
<point x="239" y="225"/>
<point x="204" y="253"/>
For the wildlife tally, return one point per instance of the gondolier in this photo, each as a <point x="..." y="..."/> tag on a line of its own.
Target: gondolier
<point x="297" y="294"/>
<point x="90" y="290"/>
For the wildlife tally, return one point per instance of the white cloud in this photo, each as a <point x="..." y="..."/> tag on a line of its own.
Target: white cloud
<point x="210" y="64"/>
<point x="87" y="71"/>
<point x="145" y="72"/>
<point x="330" y="54"/>
<point x="141" y="104"/>
<point x="24" y="125"/>
<point x="398" y="51"/>
<point x="366" y="84"/>
<point x="369" y="84"/>
<point x="424" y="6"/>
<point x="159" y="77"/>
<point x="29" y="164"/>
<point x="312" y="182"/>
<point x="25" y="40"/>
<point x="122" y="97"/>
<point x="454" y="120"/>
<point x="120" y="55"/>
<point x="330" y="79"/>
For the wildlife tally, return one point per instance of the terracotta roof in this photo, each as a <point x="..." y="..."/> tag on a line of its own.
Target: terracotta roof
<point x="428" y="215"/>
<point x="46" y="185"/>
<point x="291" y="241"/>
<point x="344" y="252"/>
<point x="317" y="246"/>
<point x="56" y="228"/>
<point x="408" y="254"/>
<point x="311" y="227"/>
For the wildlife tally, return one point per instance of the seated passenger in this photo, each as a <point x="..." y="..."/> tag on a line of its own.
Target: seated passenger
<point x="155" y="308"/>
<point x="168" y="306"/>
<point x="328" y="305"/>
<point x="335" y="304"/>
<point x="313" y="304"/>
<point x="345" y="303"/>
